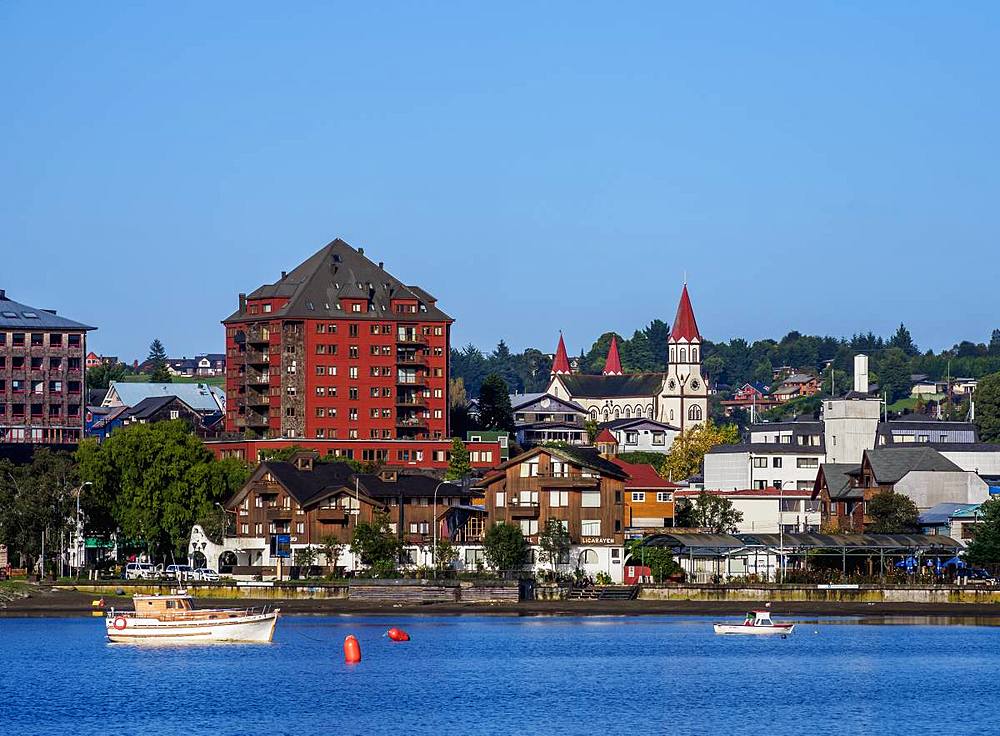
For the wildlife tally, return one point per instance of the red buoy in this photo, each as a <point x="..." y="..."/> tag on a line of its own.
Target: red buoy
<point x="352" y="650"/>
<point x="397" y="634"/>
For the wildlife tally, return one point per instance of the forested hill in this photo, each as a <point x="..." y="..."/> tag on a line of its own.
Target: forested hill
<point x="732" y="363"/>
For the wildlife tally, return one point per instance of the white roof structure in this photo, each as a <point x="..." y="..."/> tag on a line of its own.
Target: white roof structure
<point x="199" y="396"/>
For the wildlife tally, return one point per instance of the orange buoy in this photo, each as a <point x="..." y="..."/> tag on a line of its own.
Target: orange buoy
<point x="397" y="634"/>
<point x="352" y="650"/>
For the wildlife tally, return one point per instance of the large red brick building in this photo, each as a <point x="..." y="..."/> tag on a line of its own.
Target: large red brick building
<point x="337" y="349"/>
<point x="41" y="376"/>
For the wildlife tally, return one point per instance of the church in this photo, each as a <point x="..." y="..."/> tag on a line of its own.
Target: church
<point x="678" y="397"/>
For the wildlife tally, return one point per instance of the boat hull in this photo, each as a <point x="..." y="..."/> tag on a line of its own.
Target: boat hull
<point x="743" y="630"/>
<point x="258" y="628"/>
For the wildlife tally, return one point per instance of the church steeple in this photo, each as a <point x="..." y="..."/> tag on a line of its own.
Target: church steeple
<point x="685" y="325"/>
<point x="613" y="364"/>
<point x="560" y="364"/>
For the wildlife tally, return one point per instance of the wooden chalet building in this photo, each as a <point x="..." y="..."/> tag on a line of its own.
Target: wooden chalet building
<point x="579" y="487"/>
<point x="286" y="506"/>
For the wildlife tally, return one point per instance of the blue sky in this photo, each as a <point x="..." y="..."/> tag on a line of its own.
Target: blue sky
<point x="825" y="167"/>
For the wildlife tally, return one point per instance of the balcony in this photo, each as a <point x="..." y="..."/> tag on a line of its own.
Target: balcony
<point x="258" y="357"/>
<point x="332" y="515"/>
<point x="253" y="419"/>
<point x="415" y="422"/>
<point x="410" y="338"/>
<point x="411" y="401"/>
<point x="411" y="359"/>
<point x="274" y="513"/>
<point x="519" y="509"/>
<point x="258" y="398"/>
<point x="566" y="480"/>
<point x="419" y="380"/>
<point x="258" y="378"/>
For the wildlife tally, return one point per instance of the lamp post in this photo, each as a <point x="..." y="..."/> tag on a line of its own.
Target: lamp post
<point x="434" y="525"/>
<point x="78" y="536"/>
<point x="781" y="534"/>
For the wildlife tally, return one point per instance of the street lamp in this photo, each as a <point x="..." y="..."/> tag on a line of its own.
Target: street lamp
<point x="434" y="524"/>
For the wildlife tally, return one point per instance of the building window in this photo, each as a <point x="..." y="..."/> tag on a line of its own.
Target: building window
<point x="663" y="496"/>
<point x="694" y="413"/>
<point x="807" y="462"/>
<point x="760" y="462"/>
<point x="590" y="528"/>
<point x="590" y="499"/>
<point x="638" y="496"/>
<point x="631" y="438"/>
<point x="776" y="462"/>
<point x="529" y="527"/>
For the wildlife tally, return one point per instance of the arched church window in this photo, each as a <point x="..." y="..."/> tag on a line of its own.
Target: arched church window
<point x="671" y="415"/>
<point x="694" y="413"/>
<point x="694" y="355"/>
<point x="628" y="412"/>
<point x="649" y="411"/>
<point x="673" y="356"/>
<point x="593" y="414"/>
<point x="605" y="415"/>
<point x="618" y="413"/>
<point x="683" y="355"/>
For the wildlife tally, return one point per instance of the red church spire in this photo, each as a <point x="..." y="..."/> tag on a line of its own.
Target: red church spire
<point x="613" y="365"/>
<point x="685" y="326"/>
<point x="560" y="363"/>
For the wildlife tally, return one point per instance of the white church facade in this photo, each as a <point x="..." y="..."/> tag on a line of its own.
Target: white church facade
<point x="677" y="397"/>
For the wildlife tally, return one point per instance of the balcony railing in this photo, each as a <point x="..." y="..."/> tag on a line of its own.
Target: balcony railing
<point x="411" y="422"/>
<point x="522" y="509"/>
<point x="411" y="401"/>
<point x="410" y="338"/>
<point x="277" y="512"/>
<point x="411" y="359"/>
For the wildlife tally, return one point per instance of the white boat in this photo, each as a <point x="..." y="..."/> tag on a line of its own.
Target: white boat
<point x="172" y="619"/>
<point x="756" y="623"/>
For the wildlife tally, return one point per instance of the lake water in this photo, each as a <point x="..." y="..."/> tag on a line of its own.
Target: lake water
<point x="505" y="675"/>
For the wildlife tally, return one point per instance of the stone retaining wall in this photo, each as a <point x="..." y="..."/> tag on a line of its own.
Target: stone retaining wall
<point x="859" y="594"/>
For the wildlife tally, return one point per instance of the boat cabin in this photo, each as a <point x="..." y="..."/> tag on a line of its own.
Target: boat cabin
<point x="758" y="618"/>
<point x="157" y="604"/>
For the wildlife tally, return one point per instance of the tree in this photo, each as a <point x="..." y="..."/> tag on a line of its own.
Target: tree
<point x="892" y="513"/>
<point x="554" y="542"/>
<point x="504" y="547"/>
<point x="101" y="376"/>
<point x="689" y="447"/>
<point x="592" y="428"/>
<point x="495" y="412"/>
<point x="305" y="557"/>
<point x="35" y="499"/>
<point x="763" y="372"/>
<point x="988" y="408"/>
<point x="157" y="360"/>
<point x="153" y="482"/>
<point x="445" y="553"/>
<point x="984" y="549"/>
<point x="331" y="548"/>
<point x="994" y="347"/>
<point x="903" y="341"/>
<point x="458" y="464"/>
<point x="894" y="375"/>
<point x="659" y="560"/>
<point x="376" y="545"/>
<point x="714" y="513"/>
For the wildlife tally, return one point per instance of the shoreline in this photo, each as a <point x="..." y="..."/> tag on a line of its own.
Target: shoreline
<point x="43" y="601"/>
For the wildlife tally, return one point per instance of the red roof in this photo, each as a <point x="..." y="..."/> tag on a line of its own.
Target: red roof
<point x="561" y="362"/>
<point x="685" y="326"/>
<point x="642" y="475"/>
<point x="605" y="437"/>
<point x="613" y="365"/>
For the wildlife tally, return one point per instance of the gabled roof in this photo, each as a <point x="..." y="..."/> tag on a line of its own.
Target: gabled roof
<point x="308" y="485"/>
<point x="17" y="316"/>
<point x="617" y="425"/>
<point x="642" y="475"/>
<point x="890" y="464"/>
<point x="838" y="477"/>
<point x="604" y="437"/>
<point x="338" y="271"/>
<point x="152" y="404"/>
<point x="409" y="485"/>
<point x="613" y="364"/>
<point x="685" y="327"/>
<point x="199" y="396"/>
<point x="639" y="385"/>
<point x="587" y="457"/>
<point x="560" y="364"/>
<point x="766" y="448"/>
<point x="519" y="402"/>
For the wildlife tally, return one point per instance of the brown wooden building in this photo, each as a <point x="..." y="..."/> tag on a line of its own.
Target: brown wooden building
<point x="311" y="501"/>
<point x="575" y="485"/>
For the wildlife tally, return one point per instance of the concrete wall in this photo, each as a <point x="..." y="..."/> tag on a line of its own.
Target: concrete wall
<point x="987" y="463"/>
<point x="929" y="488"/>
<point x="861" y="594"/>
<point x="849" y="428"/>
<point x="727" y="471"/>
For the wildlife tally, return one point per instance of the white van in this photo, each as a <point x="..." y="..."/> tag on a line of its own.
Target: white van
<point x="139" y="571"/>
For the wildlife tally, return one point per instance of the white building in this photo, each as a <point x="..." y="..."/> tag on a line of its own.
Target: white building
<point x="642" y="435"/>
<point x="769" y="510"/>
<point x="678" y="397"/>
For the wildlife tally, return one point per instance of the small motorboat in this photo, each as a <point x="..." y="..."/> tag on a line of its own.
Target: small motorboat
<point x="756" y="623"/>
<point x="173" y="619"/>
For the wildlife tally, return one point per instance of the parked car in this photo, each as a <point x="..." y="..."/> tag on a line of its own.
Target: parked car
<point x="179" y="572"/>
<point x="139" y="571"/>
<point x="207" y="574"/>
<point x="980" y="576"/>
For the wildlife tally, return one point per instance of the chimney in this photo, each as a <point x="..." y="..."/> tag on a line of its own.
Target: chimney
<point x="283" y="274"/>
<point x="861" y="373"/>
<point x="243" y="302"/>
<point x="361" y="251"/>
<point x="3" y="295"/>
<point x="381" y="265"/>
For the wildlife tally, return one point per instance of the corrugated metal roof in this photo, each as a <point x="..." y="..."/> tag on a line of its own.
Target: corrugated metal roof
<point x="198" y="396"/>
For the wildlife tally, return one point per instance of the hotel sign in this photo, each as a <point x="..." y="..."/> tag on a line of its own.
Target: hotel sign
<point x="597" y="540"/>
